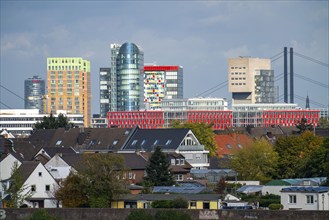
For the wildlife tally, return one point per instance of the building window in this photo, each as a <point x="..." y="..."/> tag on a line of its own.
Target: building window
<point x="309" y="199"/>
<point x="172" y="161"/>
<point x="292" y="199"/>
<point x="33" y="188"/>
<point x="40" y="174"/>
<point x="179" y="177"/>
<point x="47" y="188"/>
<point x="193" y="204"/>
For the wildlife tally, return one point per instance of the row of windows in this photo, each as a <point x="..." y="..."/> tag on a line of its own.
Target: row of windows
<point x="241" y="78"/>
<point x="238" y="84"/>
<point x="309" y="199"/>
<point x="235" y="67"/>
<point x="238" y="73"/>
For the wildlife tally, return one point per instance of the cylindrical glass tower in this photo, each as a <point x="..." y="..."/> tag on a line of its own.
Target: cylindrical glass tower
<point x="130" y="86"/>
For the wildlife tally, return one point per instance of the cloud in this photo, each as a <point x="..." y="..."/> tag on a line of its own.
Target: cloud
<point x="240" y="51"/>
<point x="21" y="43"/>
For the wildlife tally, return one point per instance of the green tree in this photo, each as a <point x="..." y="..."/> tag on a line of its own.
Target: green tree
<point x="203" y="132"/>
<point x="256" y="162"/>
<point x="304" y="126"/>
<point x="72" y="192"/>
<point x="17" y="192"/>
<point x="318" y="163"/>
<point x="99" y="181"/>
<point x="323" y="123"/>
<point x="220" y="187"/>
<point x="53" y="123"/>
<point x="294" y="152"/>
<point x="157" y="170"/>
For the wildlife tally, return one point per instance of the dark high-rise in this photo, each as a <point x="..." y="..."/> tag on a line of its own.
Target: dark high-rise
<point x="34" y="90"/>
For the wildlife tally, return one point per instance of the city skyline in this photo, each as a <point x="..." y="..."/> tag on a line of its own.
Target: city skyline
<point x="198" y="35"/>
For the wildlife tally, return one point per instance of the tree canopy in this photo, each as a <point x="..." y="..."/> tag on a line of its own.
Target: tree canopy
<point x="157" y="170"/>
<point x="294" y="152"/>
<point x="256" y="162"/>
<point x="203" y="132"/>
<point x="17" y="192"/>
<point x="53" y="123"/>
<point x="99" y="180"/>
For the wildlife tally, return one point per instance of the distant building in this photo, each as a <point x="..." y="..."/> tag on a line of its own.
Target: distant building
<point x="162" y="82"/>
<point x="251" y="80"/>
<point x="68" y="84"/>
<point x="20" y="122"/>
<point x="104" y="91"/>
<point x="34" y="91"/>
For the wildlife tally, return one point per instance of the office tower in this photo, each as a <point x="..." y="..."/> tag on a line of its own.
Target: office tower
<point x="126" y="78"/>
<point x="162" y="82"/>
<point x="251" y="80"/>
<point x="105" y="90"/>
<point x="34" y="91"/>
<point x="68" y="84"/>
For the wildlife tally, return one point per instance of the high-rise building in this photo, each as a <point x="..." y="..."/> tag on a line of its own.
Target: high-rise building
<point x="162" y="82"/>
<point x="34" y="91"/>
<point x="105" y="91"/>
<point x="68" y="85"/>
<point x="251" y="80"/>
<point x="125" y="87"/>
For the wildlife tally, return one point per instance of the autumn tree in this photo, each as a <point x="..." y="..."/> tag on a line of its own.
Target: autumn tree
<point x="17" y="192"/>
<point x="53" y="123"/>
<point x="294" y="152"/>
<point x="220" y="187"/>
<point x="256" y="162"/>
<point x="157" y="170"/>
<point x="100" y="179"/>
<point x="203" y="132"/>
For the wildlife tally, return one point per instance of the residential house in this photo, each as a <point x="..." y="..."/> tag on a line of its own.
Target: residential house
<point x="38" y="181"/>
<point x="275" y="186"/>
<point x="305" y="198"/>
<point x="179" y="140"/>
<point x="142" y="201"/>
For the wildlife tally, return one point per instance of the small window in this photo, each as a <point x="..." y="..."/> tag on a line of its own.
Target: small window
<point x="143" y="142"/>
<point x="182" y="161"/>
<point x="168" y="142"/>
<point x="33" y="188"/>
<point x="228" y="146"/>
<point x="40" y="174"/>
<point x="58" y="142"/>
<point x="240" y="146"/>
<point x="115" y="142"/>
<point x="47" y="188"/>
<point x="179" y="177"/>
<point x="172" y="161"/>
<point x="292" y="199"/>
<point x="134" y="142"/>
<point x="309" y="199"/>
<point x="193" y="204"/>
<point x="156" y="142"/>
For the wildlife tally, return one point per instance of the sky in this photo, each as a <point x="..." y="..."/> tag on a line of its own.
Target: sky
<point x="198" y="35"/>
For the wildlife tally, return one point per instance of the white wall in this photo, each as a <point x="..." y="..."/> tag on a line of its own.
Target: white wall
<point x="6" y="166"/>
<point x="320" y="202"/>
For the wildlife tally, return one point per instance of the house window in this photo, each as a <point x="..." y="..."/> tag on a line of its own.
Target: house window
<point x="198" y="156"/>
<point x="134" y="142"/>
<point x="193" y="204"/>
<point x="47" y="188"/>
<point x="168" y="142"/>
<point x="309" y="199"/>
<point x="33" y="188"/>
<point x="156" y="142"/>
<point x="182" y="161"/>
<point x="40" y="174"/>
<point x="179" y="177"/>
<point x="292" y="199"/>
<point x="115" y="142"/>
<point x="172" y="161"/>
<point x="177" y="161"/>
<point x="131" y="175"/>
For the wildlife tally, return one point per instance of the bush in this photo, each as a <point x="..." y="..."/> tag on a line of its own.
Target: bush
<point x="139" y="214"/>
<point x="274" y="206"/>
<point x="42" y="214"/>
<point x="161" y="204"/>
<point x="172" y="215"/>
<point x="179" y="203"/>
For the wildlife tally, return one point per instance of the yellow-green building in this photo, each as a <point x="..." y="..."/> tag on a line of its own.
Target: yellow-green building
<point x="68" y="86"/>
<point x="142" y="201"/>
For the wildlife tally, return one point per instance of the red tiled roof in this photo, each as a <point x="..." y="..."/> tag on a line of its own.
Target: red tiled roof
<point x="229" y="143"/>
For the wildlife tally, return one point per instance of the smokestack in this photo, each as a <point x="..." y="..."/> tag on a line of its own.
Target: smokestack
<point x="285" y="75"/>
<point x="291" y="75"/>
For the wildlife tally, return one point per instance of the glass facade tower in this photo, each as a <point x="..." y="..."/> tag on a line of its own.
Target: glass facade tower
<point x="34" y="90"/>
<point x="104" y="91"/>
<point x="130" y="86"/>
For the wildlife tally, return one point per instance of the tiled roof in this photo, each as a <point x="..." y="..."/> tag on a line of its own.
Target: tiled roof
<point x="179" y="189"/>
<point x="26" y="169"/>
<point x="146" y="139"/>
<point x="229" y="143"/>
<point x="250" y="189"/>
<point x="134" y="161"/>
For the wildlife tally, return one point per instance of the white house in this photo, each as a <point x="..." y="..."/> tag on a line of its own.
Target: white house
<point x="38" y="180"/>
<point x="305" y="198"/>
<point x="58" y="167"/>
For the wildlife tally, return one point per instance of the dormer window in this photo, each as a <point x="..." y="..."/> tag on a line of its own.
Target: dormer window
<point x="228" y="146"/>
<point x="168" y="142"/>
<point x="115" y="142"/>
<point x="143" y="142"/>
<point x="172" y="161"/>
<point x="58" y="142"/>
<point x="156" y="142"/>
<point x="134" y="142"/>
<point x="182" y="161"/>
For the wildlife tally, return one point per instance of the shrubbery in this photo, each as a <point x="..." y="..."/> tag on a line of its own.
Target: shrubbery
<point x="178" y="203"/>
<point x="42" y="214"/>
<point x="172" y="215"/>
<point x="275" y="206"/>
<point x="139" y="214"/>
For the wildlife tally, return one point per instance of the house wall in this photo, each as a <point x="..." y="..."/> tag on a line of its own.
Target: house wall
<point x="321" y="201"/>
<point x="118" y="204"/>
<point x="276" y="190"/>
<point x="40" y="183"/>
<point x="6" y="166"/>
